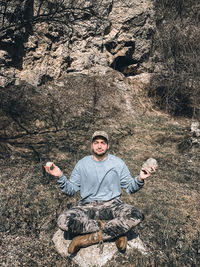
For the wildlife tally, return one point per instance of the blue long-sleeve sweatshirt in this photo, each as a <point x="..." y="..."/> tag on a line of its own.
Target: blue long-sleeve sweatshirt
<point x="99" y="180"/>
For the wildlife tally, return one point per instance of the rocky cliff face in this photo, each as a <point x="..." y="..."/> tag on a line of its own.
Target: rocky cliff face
<point x="50" y="40"/>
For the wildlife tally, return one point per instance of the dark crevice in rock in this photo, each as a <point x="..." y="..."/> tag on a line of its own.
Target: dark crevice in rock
<point x="140" y="20"/>
<point x="130" y="44"/>
<point x="110" y="46"/>
<point x="121" y="63"/>
<point x="45" y="78"/>
<point x="123" y="56"/>
<point x="107" y="29"/>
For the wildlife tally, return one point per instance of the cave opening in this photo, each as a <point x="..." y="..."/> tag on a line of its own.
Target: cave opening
<point x="121" y="63"/>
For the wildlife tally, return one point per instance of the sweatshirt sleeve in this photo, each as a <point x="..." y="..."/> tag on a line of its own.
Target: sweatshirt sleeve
<point x="131" y="184"/>
<point x="71" y="186"/>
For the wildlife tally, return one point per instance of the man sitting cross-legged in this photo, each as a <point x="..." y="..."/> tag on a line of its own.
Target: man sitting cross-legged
<point x="100" y="214"/>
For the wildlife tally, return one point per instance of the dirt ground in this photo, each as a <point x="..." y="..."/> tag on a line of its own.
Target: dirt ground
<point x="31" y="201"/>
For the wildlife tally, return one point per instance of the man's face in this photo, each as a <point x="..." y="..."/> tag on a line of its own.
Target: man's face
<point x="99" y="146"/>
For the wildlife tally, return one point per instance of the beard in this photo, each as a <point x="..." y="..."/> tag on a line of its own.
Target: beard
<point x="99" y="154"/>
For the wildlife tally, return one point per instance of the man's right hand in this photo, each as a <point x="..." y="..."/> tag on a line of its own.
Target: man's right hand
<point x="54" y="170"/>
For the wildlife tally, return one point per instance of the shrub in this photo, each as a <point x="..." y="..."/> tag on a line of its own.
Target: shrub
<point x="175" y="84"/>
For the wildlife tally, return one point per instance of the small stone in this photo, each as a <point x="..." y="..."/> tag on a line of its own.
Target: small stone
<point x="149" y="164"/>
<point x="49" y="164"/>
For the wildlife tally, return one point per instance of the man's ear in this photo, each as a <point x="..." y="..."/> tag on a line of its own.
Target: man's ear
<point x="108" y="146"/>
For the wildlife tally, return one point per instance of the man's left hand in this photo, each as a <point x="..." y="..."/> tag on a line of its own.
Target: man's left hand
<point x="145" y="173"/>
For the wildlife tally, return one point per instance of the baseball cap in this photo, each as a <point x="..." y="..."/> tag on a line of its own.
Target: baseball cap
<point x="100" y="133"/>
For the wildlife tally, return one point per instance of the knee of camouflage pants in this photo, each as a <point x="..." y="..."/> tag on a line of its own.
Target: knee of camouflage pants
<point x="76" y="222"/>
<point x="136" y="214"/>
<point x="62" y="222"/>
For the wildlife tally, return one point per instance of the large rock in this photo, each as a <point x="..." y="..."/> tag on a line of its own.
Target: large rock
<point x="93" y="255"/>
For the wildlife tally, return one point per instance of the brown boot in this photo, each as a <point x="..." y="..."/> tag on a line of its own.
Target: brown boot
<point x="121" y="243"/>
<point x="83" y="241"/>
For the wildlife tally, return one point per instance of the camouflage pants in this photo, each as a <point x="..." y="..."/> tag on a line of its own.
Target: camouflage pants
<point x="118" y="218"/>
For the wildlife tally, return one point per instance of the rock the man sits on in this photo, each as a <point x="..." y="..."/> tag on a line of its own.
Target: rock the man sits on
<point x="100" y="178"/>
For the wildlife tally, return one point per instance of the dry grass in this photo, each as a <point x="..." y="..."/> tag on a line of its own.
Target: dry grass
<point x="170" y="198"/>
<point x="31" y="201"/>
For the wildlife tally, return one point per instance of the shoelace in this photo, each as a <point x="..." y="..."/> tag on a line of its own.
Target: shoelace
<point x="100" y="246"/>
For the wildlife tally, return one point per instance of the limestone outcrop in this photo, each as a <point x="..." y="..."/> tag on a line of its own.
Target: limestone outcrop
<point x="77" y="36"/>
